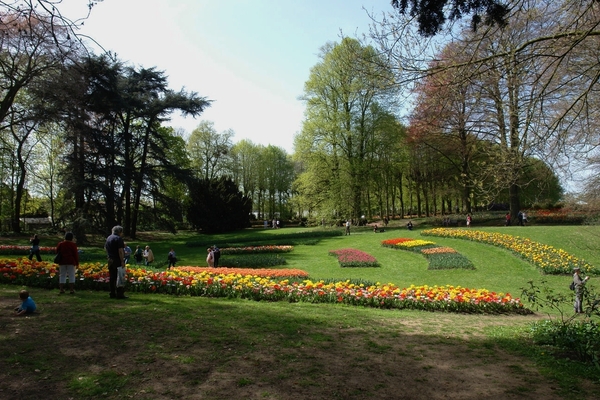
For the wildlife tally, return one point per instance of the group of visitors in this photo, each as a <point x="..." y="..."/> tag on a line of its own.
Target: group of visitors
<point x="521" y="217"/>
<point x="118" y="254"/>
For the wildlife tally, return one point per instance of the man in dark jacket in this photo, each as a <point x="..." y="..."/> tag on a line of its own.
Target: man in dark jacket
<point x="216" y="255"/>
<point x="114" y="247"/>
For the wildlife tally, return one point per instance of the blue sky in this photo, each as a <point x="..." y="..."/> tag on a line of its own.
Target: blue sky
<point x="251" y="57"/>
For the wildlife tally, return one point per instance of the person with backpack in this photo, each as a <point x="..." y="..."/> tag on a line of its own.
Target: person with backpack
<point x="579" y="286"/>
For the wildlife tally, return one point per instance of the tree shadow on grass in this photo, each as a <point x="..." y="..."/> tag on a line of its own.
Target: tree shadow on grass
<point x="164" y="347"/>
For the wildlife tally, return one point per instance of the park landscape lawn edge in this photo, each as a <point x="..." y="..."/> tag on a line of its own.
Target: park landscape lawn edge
<point x="103" y="344"/>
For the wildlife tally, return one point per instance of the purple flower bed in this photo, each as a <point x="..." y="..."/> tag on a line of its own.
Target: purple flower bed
<point x="354" y="258"/>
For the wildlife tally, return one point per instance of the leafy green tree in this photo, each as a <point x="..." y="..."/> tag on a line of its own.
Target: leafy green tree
<point x="279" y="175"/>
<point x="245" y="161"/>
<point x="217" y="206"/>
<point x="210" y="152"/>
<point x="345" y="94"/>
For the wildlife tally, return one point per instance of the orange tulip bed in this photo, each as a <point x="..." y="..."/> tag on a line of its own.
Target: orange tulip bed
<point x="267" y="285"/>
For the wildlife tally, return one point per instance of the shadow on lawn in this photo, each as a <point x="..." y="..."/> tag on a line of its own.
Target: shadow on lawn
<point x="163" y="347"/>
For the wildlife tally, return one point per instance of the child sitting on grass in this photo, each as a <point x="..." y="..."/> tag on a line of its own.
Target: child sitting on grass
<point x="27" y="306"/>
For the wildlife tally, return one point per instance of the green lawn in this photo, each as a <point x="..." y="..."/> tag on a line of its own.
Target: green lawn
<point x="162" y="347"/>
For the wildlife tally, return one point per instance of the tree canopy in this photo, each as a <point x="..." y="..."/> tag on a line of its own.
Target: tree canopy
<point x="432" y="15"/>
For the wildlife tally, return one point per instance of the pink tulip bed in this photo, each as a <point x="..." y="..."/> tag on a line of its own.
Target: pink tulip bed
<point x="354" y="258"/>
<point x="438" y="257"/>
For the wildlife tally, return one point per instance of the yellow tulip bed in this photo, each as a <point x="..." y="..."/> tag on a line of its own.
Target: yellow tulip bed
<point x="438" y="257"/>
<point x="249" y="285"/>
<point x="548" y="259"/>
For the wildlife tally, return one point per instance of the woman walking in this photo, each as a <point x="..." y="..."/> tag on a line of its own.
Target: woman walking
<point x="69" y="261"/>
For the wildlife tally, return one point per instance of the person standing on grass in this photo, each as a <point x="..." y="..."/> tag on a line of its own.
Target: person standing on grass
<point x="69" y="261"/>
<point x="216" y="256"/>
<point x="579" y="289"/>
<point x="148" y="255"/>
<point x="210" y="257"/>
<point x="127" y="253"/>
<point x="171" y="259"/>
<point x="138" y="255"/>
<point x="114" y="247"/>
<point x="35" y="248"/>
<point x="347" y="228"/>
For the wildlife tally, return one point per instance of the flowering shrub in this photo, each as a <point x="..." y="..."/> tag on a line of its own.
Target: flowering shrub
<point x="546" y="258"/>
<point x="438" y="257"/>
<point x="354" y="258"/>
<point x="251" y="286"/>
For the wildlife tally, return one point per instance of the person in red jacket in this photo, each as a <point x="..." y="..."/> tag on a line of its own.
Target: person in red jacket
<point x="69" y="261"/>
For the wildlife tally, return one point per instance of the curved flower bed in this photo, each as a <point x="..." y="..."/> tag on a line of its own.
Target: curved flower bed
<point x="263" y="272"/>
<point x="546" y="258"/>
<point x="354" y="258"/>
<point x="250" y="286"/>
<point x="438" y="257"/>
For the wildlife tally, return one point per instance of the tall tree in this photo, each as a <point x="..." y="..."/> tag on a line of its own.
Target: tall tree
<point x="536" y="79"/>
<point x="217" y="206"/>
<point x="119" y="150"/>
<point x="210" y="151"/>
<point x="343" y="96"/>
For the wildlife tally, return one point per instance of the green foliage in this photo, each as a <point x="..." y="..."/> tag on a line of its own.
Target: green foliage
<point x="449" y="261"/>
<point x="580" y="337"/>
<point x="252" y="261"/>
<point x="566" y="332"/>
<point x="310" y="237"/>
<point x="218" y="206"/>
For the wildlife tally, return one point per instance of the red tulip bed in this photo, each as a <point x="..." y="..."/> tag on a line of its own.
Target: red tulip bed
<point x="267" y="285"/>
<point x="21" y="250"/>
<point x="438" y="257"/>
